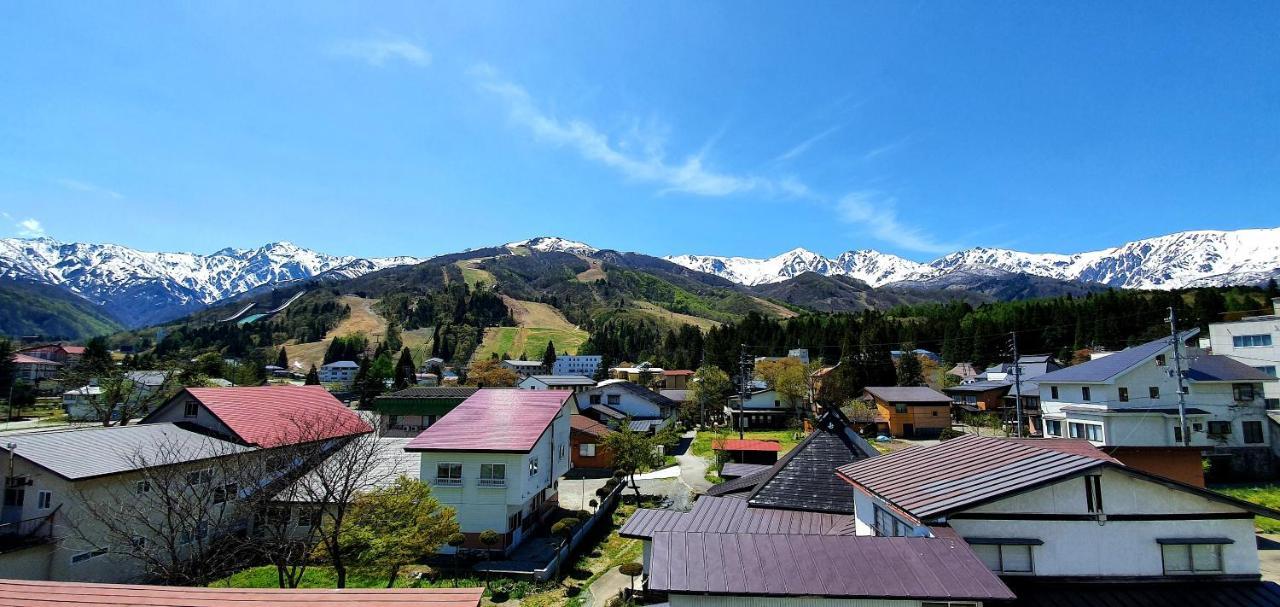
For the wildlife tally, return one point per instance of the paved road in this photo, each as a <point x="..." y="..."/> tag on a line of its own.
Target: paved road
<point x="576" y="493"/>
<point x="607" y="586"/>
<point x="1269" y="554"/>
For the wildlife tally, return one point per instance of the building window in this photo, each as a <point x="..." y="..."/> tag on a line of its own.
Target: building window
<point x="1006" y="558"/>
<point x="615" y="399"/>
<point x="1242" y="392"/>
<point x="84" y="556"/>
<point x="1177" y="434"/>
<point x="587" y="450"/>
<point x="44" y="499"/>
<point x="1124" y="394"/>
<point x="226" y="493"/>
<point x="595" y="399"/>
<point x="1093" y="493"/>
<point x="448" y="475"/>
<point x="1161" y="360"/>
<point x="309" y="517"/>
<point x="1251" y="341"/>
<point x="889" y="525"/>
<point x="142" y="487"/>
<point x="1085" y="394"/>
<point x="1154" y="392"/>
<point x="200" y="477"/>
<point x="1268" y="369"/>
<point x="1091" y="432"/>
<point x="1219" y="428"/>
<point x="1252" y="432"/>
<point x="1053" y="392"/>
<point x="899" y="408"/>
<point x="1183" y="557"/>
<point x="1053" y="427"/>
<point x="533" y="466"/>
<point x="190" y="409"/>
<point x="493" y="475"/>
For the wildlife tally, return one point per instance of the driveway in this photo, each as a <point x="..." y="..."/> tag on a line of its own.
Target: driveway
<point x="676" y="484"/>
<point x="1269" y="555"/>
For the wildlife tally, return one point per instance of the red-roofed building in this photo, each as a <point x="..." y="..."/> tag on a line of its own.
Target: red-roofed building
<point x="264" y="416"/>
<point x="33" y="369"/>
<point x="497" y="459"/>
<point x="748" y="451"/>
<point x="676" y="379"/>
<point x="58" y="353"/>
<point x="587" y="443"/>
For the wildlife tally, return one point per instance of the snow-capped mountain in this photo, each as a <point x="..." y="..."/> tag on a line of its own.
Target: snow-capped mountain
<point x="546" y="244"/>
<point x="141" y="286"/>
<point x="1184" y="259"/>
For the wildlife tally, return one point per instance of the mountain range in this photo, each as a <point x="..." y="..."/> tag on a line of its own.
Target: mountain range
<point x="136" y="288"/>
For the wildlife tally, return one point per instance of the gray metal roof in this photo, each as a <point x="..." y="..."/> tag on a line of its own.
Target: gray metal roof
<point x="729" y="515"/>
<point x="1223" y="368"/>
<point x="90" y="452"/>
<point x="731" y="470"/>
<point x="678" y="396"/>
<point x="565" y="380"/>
<point x="747" y="564"/>
<point x="1105" y="368"/>
<point x="645" y="425"/>
<point x="981" y="386"/>
<point x="524" y="363"/>
<point x="391" y="463"/>
<point x="910" y="394"/>
<point x="637" y="390"/>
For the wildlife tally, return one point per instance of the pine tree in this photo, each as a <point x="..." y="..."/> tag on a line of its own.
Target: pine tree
<point x="909" y="370"/>
<point x="313" y="377"/>
<point x="406" y="371"/>
<point x="282" y="359"/>
<point x="549" y="357"/>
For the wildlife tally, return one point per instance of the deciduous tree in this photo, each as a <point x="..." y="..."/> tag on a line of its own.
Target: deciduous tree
<point x="490" y="374"/>
<point x="397" y="525"/>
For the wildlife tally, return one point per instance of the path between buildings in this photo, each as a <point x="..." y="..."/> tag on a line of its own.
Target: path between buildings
<point x="607" y="587"/>
<point x="693" y="469"/>
<point x="1269" y="556"/>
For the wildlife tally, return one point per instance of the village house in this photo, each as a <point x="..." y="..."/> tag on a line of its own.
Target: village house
<point x="614" y="401"/>
<point x="1058" y="511"/>
<point x="406" y="413"/>
<point x="524" y="368"/>
<point x="574" y="383"/>
<point x="977" y="397"/>
<point x="746" y="451"/>
<point x="1253" y="341"/>
<point x="59" y="353"/>
<point x="55" y="479"/>
<point x="339" y="372"/>
<point x="587" y="443"/>
<point x="675" y="379"/>
<point x="82" y="404"/>
<point x="1128" y="403"/>
<point x="582" y="364"/>
<point x="33" y="369"/>
<point x="640" y="374"/>
<point x="911" y="412"/>
<point x="497" y="459"/>
<point x="764" y="408"/>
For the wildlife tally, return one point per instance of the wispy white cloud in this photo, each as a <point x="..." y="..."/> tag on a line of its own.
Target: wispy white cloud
<point x="879" y="215"/>
<point x="888" y="148"/>
<point x="380" y="51"/>
<point x="804" y="146"/>
<point x="30" y="228"/>
<point x="641" y="156"/>
<point x="84" y="186"/>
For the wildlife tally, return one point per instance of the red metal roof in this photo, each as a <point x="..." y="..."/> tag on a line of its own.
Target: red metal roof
<point x="73" y="349"/>
<point x="1077" y="446"/>
<point x="271" y="416"/>
<point x="744" y="564"/>
<point x="22" y="593"/>
<point x="738" y="444"/>
<point x="583" y="423"/>
<point x="494" y="419"/>
<point x="23" y="359"/>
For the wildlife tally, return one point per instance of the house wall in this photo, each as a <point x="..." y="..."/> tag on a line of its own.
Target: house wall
<point x="628" y="402"/>
<point x="926" y="420"/>
<point x="1177" y="463"/>
<point x="767" y="400"/>
<point x="175" y="411"/>
<point x="576" y="365"/>
<point x="1221" y="342"/>
<point x="602" y="458"/>
<point x="675" y="382"/>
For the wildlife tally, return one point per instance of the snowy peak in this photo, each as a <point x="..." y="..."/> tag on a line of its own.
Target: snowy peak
<point x="546" y="244"/>
<point x="1181" y="260"/>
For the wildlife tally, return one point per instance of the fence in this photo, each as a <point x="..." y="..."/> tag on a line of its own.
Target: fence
<point x="606" y="507"/>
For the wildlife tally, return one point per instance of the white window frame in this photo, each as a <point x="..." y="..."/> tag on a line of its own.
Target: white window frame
<point x="492" y="479"/>
<point x="533" y="466"/>
<point x="1189" y="548"/>
<point x="44" y="500"/>
<point x="587" y="450"/>
<point x="449" y="480"/>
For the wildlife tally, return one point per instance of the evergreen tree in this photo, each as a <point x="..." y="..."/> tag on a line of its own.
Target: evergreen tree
<point x="97" y="357"/>
<point x="282" y="359"/>
<point x="909" y="371"/>
<point x="549" y="356"/>
<point x="1273" y="290"/>
<point x="313" y="377"/>
<point x="6" y="366"/>
<point x="406" y="371"/>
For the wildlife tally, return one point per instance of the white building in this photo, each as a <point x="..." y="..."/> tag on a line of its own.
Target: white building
<point x="762" y="409"/>
<point x="1130" y="399"/>
<point x="585" y="364"/>
<point x="575" y="383"/>
<point x="339" y="372"/>
<point x="82" y="404"/>
<point x="626" y="399"/>
<point x="1254" y="341"/>
<point x="1056" y="509"/>
<point x="497" y="459"/>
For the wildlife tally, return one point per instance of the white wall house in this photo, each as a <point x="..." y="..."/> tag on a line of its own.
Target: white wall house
<point x="1054" y="508"/>
<point x="497" y="459"/>
<point x="628" y="398"/>
<point x="1253" y="341"/>
<point x="585" y="364"/>
<point x="1130" y="399"/>
<point x="339" y="372"/>
<point x="574" y="383"/>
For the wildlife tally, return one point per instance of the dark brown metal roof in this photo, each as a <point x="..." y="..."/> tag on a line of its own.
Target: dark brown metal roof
<point x="746" y="564"/>
<point x="729" y="515"/>
<point x="930" y="481"/>
<point x="908" y="395"/>
<point x="22" y="593"/>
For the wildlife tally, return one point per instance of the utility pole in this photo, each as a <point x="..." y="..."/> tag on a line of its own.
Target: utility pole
<point x="1017" y="382"/>
<point x="1177" y="370"/>
<point x="744" y="379"/>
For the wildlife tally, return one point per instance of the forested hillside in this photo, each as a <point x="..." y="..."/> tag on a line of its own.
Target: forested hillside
<point x="31" y="309"/>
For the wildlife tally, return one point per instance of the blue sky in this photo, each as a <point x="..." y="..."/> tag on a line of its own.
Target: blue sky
<point x="718" y="128"/>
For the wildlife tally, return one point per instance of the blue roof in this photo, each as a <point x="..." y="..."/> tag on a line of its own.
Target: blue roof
<point x="1107" y="367"/>
<point x="1223" y="368"/>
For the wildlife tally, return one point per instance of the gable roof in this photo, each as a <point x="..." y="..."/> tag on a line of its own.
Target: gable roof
<point x="1108" y="367"/>
<point x="635" y="389"/>
<point x="494" y="419"/>
<point x="524" y="363"/>
<point x="584" y="424"/>
<point x="909" y="394"/>
<point x="92" y="452"/>
<point x="1223" y="368"/>
<point x="430" y="392"/>
<point x="24" y="593"/>
<point x="981" y="386"/>
<point x="929" y="482"/>
<point x="805" y="478"/>
<point x="564" y="380"/>
<point x="730" y="515"/>
<point x="271" y="416"/>
<point x="340" y="364"/>
<point x="23" y="359"/>
<point x="746" y="564"/>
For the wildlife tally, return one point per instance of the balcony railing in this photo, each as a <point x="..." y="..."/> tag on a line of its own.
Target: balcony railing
<point x="492" y="482"/>
<point x="29" y="532"/>
<point x="448" y="482"/>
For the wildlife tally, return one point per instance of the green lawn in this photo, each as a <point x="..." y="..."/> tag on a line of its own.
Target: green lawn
<point x="1263" y="494"/>
<point x="318" y="576"/>
<point x="787" y="440"/>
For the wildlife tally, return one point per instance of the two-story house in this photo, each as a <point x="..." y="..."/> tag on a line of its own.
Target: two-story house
<point x="1057" y="511"/>
<point x="911" y="412"/>
<point x="1128" y="402"/>
<point x="339" y="372"/>
<point x="524" y="368"/>
<point x="574" y="383"/>
<point x="615" y="400"/>
<point x="406" y="413"/>
<point x="497" y="459"/>
<point x="1253" y="341"/>
<point x="763" y="408"/>
<point x="171" y="481"/>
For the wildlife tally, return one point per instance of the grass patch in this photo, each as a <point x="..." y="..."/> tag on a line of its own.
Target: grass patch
<point x="474" y="276"/>
<point x="787" y="440"/>
<point x="321" y="576"/>
<point x="675" y="318"/>
<point x="1263" y="494"/>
